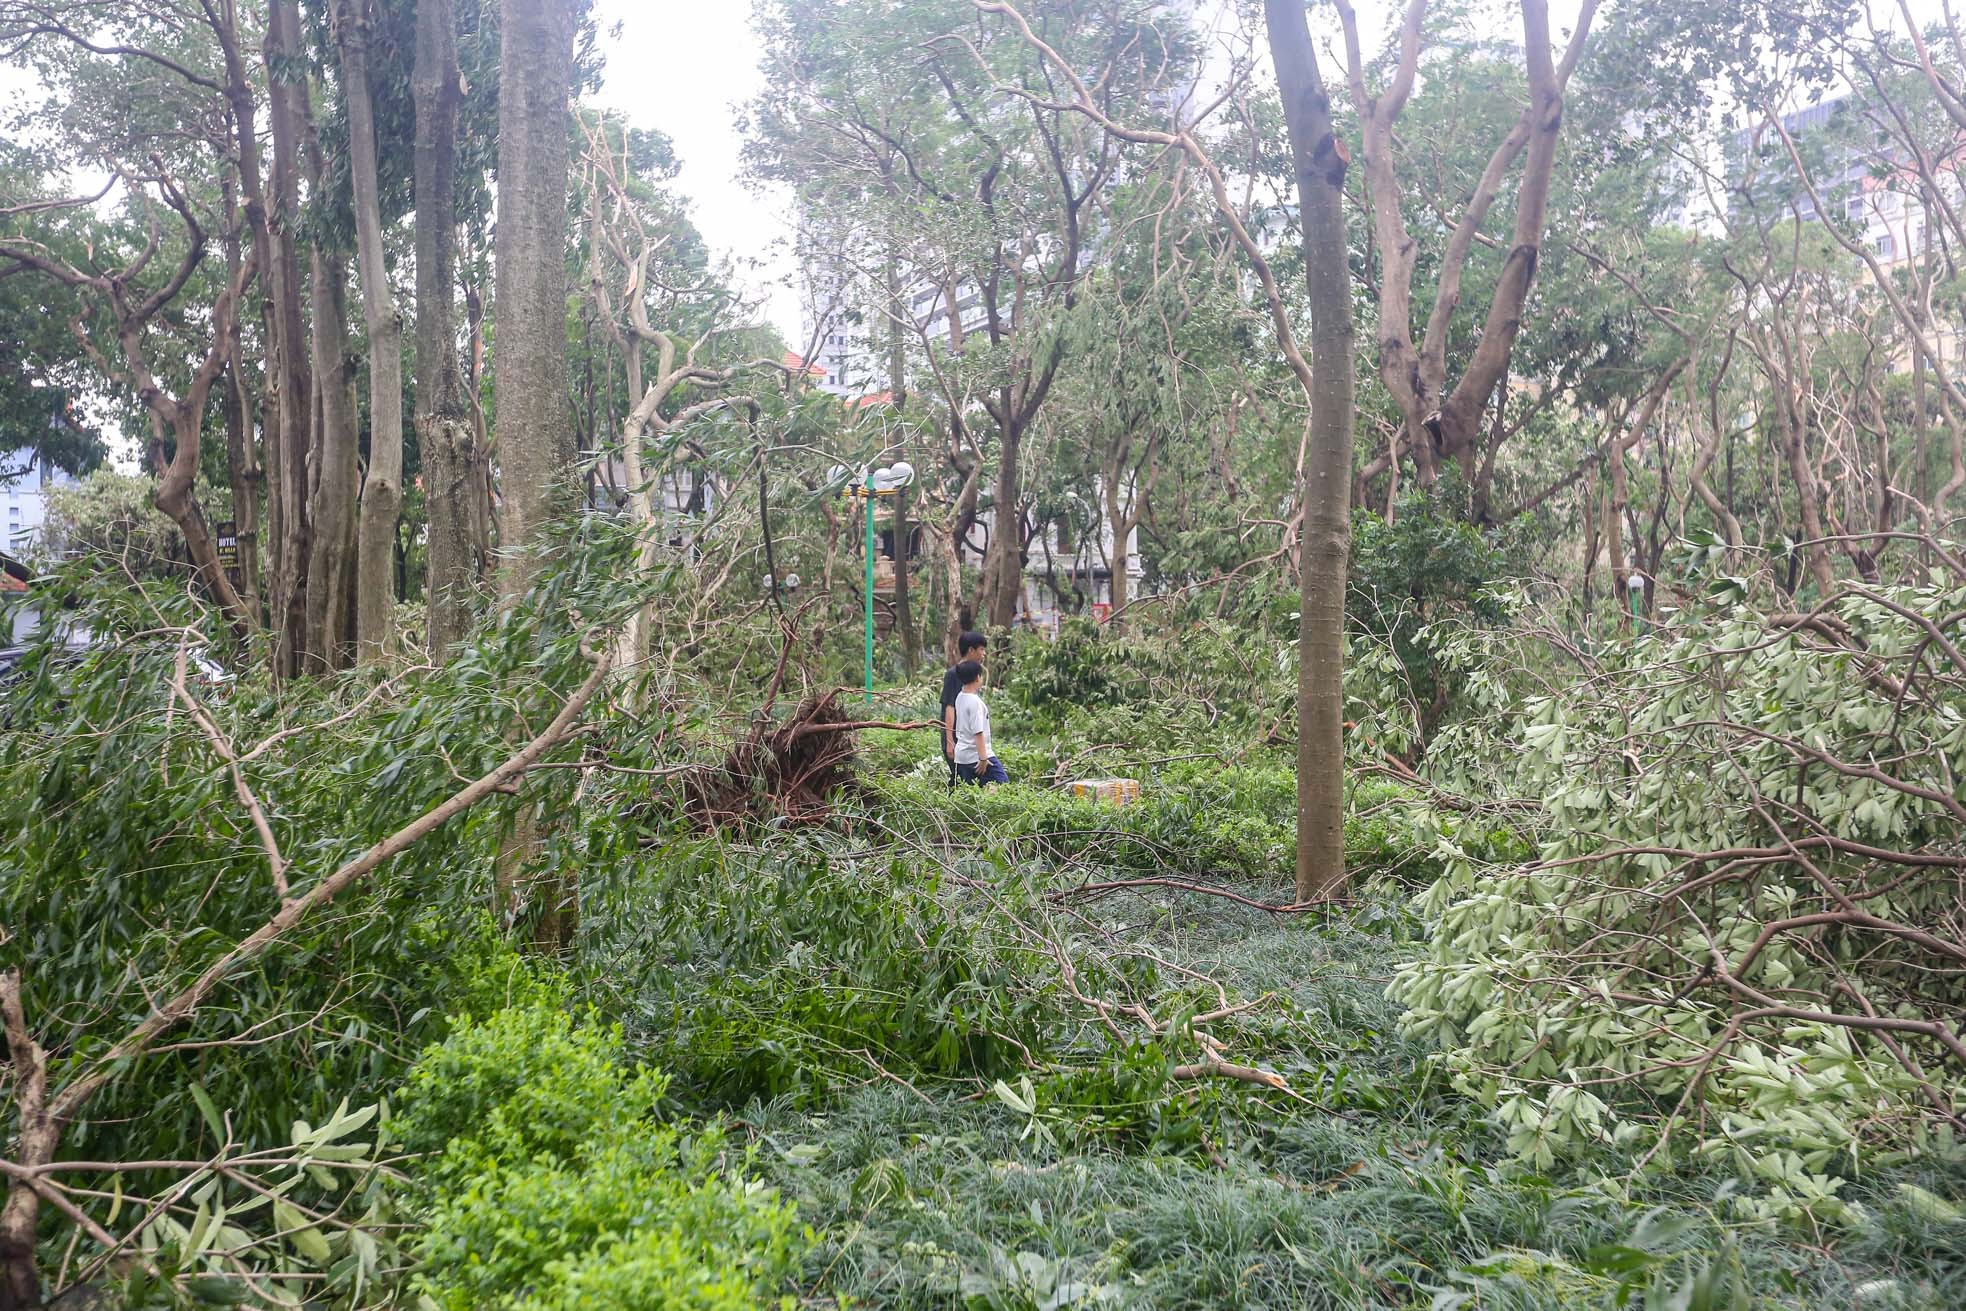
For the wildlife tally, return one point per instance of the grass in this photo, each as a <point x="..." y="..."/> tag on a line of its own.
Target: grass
<point x="1095" y="1179"/>
<point x="1388" y="1193"/>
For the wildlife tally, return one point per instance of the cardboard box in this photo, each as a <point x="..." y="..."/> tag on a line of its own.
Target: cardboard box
<point x="1114" y="791"/>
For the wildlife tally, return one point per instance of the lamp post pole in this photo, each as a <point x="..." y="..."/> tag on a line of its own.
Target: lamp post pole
<point x="868" y="496"/>
<point x="875" y="484"/>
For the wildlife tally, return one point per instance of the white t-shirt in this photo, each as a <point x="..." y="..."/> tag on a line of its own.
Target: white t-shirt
<point x="972" y="717"/>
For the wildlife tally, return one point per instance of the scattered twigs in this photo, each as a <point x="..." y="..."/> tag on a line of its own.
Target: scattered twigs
<point x="167" y="1013"/>
<point x="1087" y="890"/>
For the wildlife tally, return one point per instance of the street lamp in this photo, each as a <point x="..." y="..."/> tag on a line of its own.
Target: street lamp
<point x="885" y="481"/>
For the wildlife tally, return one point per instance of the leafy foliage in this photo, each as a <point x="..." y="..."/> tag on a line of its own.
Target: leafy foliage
<point x="554" y="1186"/>
<point x="1717" y="884"/>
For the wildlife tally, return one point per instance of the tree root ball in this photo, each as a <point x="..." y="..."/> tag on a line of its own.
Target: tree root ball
<point x="789" y="771"/>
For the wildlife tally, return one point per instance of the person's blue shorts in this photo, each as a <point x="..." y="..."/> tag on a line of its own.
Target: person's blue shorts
<point x="994" y="772"/>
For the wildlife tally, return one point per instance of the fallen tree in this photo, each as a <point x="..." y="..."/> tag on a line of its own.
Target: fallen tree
<point x="1742" y="933"/>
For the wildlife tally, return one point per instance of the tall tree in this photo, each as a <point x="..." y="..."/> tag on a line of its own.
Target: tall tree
<point x="287" y="411"/>
<point x="382" y="487"/>
<point x="529" y="394"/>
<point x="453" y="463"/>
<point x="1319" y="160"/>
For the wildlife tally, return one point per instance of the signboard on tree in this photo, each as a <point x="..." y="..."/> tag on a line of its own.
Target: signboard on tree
<point x="226" y="537"/>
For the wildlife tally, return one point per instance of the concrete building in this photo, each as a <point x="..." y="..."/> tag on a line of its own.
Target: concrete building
<point x="25" y="479"/>
<point x="1863" y="181"/>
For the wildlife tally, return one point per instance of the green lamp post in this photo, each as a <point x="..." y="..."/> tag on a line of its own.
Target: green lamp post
<point x="875" y="483"/>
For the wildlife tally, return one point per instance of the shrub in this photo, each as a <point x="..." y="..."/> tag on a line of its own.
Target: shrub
<point x="556" y="1187"/>
<point x="782" y="971"/>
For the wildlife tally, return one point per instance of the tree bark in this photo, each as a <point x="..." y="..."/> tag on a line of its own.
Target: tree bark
<point x="1003" y="561"/>
<point x="331" y="560"/>
<point x="1441" y="424"/>
<point x="897" y="387"/>
<point x="534" y="432"/>
<point x="452" y="461"/>
<point x="289" y="399"/>
<point x="382" y="487"/>
<point x="1326" y="493"/>
<point x="242" y="463"/>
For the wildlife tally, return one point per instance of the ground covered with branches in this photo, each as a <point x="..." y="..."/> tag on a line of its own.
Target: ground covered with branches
<point x="1002" y="1048"/>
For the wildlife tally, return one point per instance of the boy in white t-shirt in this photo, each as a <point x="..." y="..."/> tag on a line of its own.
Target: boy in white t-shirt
<point x="975" y="762"/>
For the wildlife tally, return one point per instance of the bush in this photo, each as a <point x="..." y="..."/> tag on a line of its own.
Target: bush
<point x="1425" y="566"/>
<point x="783" y="971"/>
<point x="555" y="1186"/>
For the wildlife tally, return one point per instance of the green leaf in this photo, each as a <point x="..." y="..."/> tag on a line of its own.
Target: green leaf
<point x="208" y="1110"/>
<point x="218" y="1290"/>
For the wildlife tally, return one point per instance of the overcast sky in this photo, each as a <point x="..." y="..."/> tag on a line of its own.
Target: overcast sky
<point x="685" y="67"/>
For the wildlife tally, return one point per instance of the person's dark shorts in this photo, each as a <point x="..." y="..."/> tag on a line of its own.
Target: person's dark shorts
<point x="994" y="772"/>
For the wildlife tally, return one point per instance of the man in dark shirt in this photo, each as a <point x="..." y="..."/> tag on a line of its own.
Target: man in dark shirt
<point x="970" y="646"/>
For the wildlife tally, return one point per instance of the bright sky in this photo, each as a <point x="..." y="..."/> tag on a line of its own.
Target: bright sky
<point x="686" y="68"/>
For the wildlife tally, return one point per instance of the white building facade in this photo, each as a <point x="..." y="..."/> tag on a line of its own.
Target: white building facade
<point x="25" y="480"/>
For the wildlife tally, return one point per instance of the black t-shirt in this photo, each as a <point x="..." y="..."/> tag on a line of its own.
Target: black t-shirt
<point x="952" y="686"/>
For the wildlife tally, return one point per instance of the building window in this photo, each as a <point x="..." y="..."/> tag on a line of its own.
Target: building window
<point x="1887" y="246"/>
<point x="1853" y="208"/>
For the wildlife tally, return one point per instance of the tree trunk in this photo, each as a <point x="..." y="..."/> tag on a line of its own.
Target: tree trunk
<point x="1003" y="564"/>
<point x="902" y="618"/>
<point x="1793" y="414"/>
<point x="534" y="435"/>
<point x="1122" y="528"/>
<point x="1320" y="168"/>
<point x="331" y="498"/>
<point x="382" y="488"/>
<point x="897" y="386"/>
<point x="37" y="1133"/>
<point x="242" y="464"/>
<point x="1615" y="506"/>
<point x="174" y="496"/>
<point x="445" y="435"/>
<point x="289" y="398"/>
<point x="535" y="438"/>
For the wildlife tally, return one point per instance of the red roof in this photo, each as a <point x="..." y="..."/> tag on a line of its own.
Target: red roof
<point x="865" y="402"/>
<point x="794" y="363"/>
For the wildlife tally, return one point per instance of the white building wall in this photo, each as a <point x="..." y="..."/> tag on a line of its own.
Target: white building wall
<point x="23" y="498"/>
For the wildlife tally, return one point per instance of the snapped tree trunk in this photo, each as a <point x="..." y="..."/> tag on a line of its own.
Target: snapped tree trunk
<point x="1327" y="535"/>
<point x="446" y="438"/>
<point x="382" y="488"/>
<point x="534" y="433"/>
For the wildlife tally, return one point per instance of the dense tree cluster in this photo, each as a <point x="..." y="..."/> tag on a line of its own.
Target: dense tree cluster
<point x="1514" y="460"/>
